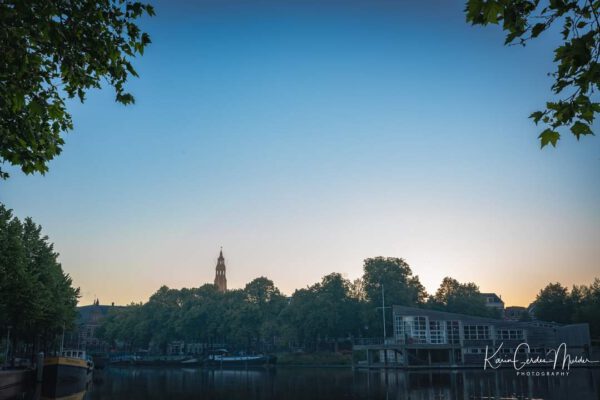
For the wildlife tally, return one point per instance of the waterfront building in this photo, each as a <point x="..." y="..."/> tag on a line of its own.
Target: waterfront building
<point x="220" y="279"/>
<point x="515" y="313"/>
<point x="176" y="348"/>
<point x="89" y="319"/>
<point x="492" y="300"/>
<point x="425" y="337"/>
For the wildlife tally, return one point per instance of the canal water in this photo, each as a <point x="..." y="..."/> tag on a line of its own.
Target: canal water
<point x="334" y="383"/>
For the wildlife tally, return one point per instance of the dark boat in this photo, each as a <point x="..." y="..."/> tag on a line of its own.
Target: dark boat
<point x="223" y="360"/>
<point x="67" y="373"/>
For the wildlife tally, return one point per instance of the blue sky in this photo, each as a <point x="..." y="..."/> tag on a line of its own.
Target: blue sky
<point x="306" y="136"/>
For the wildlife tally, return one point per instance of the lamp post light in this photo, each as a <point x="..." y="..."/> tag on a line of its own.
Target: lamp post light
<point x="383" y="307"/>
<point x="7" y="345"/>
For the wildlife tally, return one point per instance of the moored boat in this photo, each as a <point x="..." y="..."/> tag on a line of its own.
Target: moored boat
<point x="223" y="360"/>
<point x="66" y="373"/>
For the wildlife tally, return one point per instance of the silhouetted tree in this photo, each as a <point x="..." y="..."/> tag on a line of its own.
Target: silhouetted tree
<point x="554" y="304"/>
<point x="400" y="285"/>
<point x="462" y="298"/>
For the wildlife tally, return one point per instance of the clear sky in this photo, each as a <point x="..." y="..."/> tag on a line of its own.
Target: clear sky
<point x="306" y="136"/>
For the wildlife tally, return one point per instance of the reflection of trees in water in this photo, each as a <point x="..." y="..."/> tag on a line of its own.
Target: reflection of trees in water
<point x="320" y="383"/>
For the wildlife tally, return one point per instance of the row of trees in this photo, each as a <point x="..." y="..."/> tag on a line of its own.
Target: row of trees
<point x="37" y="298"/>
<point x="581" y="304"/>
<point x="260" y="317"/>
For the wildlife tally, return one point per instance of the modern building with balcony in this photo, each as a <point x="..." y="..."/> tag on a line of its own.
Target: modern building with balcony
<point x="430" y="338"/>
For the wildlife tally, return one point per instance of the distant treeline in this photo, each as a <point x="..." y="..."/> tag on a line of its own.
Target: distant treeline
<point x="259" y="317"/>
<point x="37" y="299"/>
<point x="582" y="304"/>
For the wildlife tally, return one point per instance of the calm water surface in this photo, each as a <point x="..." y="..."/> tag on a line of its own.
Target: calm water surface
<point x="321" y="383"/>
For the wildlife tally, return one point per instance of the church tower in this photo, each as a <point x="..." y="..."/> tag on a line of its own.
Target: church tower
<point x="220" y="280"/>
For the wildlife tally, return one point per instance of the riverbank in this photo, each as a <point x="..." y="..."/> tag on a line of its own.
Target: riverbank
<point x="321" y="359"/>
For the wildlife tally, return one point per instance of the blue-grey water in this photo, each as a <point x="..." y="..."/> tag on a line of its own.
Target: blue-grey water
<point x="129" y="383"/>
<point x="336" y="383"/>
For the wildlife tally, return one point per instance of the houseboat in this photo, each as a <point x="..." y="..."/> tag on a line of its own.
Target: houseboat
<point x="66" y="373"/>
<point x="225" y="360"/>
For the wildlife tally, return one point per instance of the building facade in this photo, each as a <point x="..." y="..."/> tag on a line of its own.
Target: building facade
<point x="463" y="339"/>
<point x="425" y="337"/>
<point x="516" y="313"/>
<point x="492" y="300"/>
<point x="89" y="319"/>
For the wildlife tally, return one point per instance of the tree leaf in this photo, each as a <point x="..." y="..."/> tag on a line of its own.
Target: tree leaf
<point x="537" y="29"/>
<point x="579" y="128"/>
<point x="548" y="136"/>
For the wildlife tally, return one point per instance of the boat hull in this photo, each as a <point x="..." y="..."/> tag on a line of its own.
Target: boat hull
<point x="64" y="376"/>
<point x="241" y="361"/>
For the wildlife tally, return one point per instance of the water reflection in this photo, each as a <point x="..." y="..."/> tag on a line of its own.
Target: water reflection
<point x="304" y="383"/>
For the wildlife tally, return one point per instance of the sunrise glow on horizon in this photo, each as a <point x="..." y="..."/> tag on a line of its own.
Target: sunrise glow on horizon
<point x="306" y="136"/>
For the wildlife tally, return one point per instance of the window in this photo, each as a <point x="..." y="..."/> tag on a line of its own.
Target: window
<point x="476" y="332"/>
<point x="453" y="332"/>
<point x="437" y="332"/>
<point x="399" y="327"/>
<point x="411" y="329"/>
<point x="509" y="334"/>
<point x="419" y="329"/>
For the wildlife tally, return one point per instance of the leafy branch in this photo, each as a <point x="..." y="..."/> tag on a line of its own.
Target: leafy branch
<point x="577" y="75"/>
<point x="53" y="50"/>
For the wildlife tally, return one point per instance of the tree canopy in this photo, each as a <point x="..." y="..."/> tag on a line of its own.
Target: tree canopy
<point x="577" y="75"/>
<point x="553" y="303"/>
<point x="260" y="317"/>
<point x="401" y="286"/>
<point x="57" y="50"/>
<point x="463" y="298"/>
<point x="37" y="298"/>
<point x="320" y="316"/>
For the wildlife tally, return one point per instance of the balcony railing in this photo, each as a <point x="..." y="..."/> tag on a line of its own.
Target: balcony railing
<point x="367" y="341"/>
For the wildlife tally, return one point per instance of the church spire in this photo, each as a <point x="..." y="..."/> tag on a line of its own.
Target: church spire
<point x="220" y="279"/>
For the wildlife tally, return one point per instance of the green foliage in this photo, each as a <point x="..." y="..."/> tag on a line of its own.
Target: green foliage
<point x="401" y="287"/>
<point x="577" y="75"/>
<point x="322" y="312"/>
<point x="257" y="317"/>
<point x="553" y="303"/>
<point x="243" y="318"/>
<point x="36" y="297"/>
<point x="462" y="298"/>
<point x="54" y="50"/>
<point x="582" y="304"/>
<point x="586" y="304"/>
<point x="318" y="317"/>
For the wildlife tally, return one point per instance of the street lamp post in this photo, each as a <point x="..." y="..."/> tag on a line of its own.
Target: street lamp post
<point x="7" y="344"/>
<point x="383" y="307"/>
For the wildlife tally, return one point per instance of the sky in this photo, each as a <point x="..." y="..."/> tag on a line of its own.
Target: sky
<point x="306" y="136"/>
